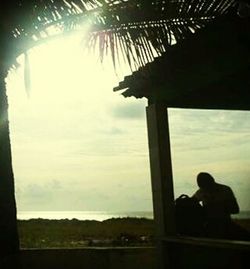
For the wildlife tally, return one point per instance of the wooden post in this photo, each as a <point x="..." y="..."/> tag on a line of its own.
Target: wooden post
<point x="161" y="178"/>
<point x="9" y="242"/>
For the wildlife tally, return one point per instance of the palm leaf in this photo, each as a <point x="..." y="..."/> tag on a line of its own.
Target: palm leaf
<point x="141" y="29"/>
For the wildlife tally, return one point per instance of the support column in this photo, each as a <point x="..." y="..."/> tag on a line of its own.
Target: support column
<point x="161" y="178"/>
<point x="9" y="243"/>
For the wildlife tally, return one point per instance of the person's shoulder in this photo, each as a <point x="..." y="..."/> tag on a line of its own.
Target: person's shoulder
<point x="223" y="187"/>
<point x="198" y="191"/>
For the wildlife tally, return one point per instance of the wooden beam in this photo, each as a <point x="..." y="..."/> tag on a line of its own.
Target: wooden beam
<point x="161" y="177"/>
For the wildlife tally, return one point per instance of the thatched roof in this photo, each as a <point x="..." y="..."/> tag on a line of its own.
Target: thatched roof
<point x="140" y="29"/>
<point x="210" y="69"/>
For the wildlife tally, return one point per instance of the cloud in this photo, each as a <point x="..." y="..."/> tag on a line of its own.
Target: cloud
<point x="114" y="131"/>
<point x="191" y="121"/>
<point x="76" y="195"/>
<point x="202" y="130"/>
<point x="133" y="110"/>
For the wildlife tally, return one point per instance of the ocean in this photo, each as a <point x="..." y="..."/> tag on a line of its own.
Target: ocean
<point x="82" y="215"/>
<point x="97" y="215"/>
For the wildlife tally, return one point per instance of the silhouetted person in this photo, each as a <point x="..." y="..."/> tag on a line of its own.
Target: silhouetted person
<point x="219" y="203"/>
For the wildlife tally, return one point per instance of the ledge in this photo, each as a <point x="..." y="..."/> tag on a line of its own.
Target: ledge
<point x="208" y="242"/>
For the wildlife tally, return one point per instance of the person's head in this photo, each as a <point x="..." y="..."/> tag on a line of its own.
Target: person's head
<point x="205" y="181"/>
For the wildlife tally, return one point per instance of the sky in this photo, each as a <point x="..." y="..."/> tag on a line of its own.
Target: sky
<point x="77" y="145"/>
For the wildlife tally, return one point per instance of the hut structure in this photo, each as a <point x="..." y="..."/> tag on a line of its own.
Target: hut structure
<point x="206" y="68"/>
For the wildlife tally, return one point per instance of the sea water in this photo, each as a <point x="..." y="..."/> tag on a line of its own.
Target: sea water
<point x="82" y="215"/>
<point x="98" y="215"/>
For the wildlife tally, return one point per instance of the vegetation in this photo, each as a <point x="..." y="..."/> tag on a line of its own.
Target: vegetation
<point x="43" y="233"/>
<point x="65" y="233"/>
<point x="140" y="29"/>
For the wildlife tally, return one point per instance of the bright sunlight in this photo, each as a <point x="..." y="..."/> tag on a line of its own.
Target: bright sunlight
<point x="74" y="145"/>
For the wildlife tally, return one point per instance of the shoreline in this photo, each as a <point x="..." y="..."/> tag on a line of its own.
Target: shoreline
<point x="82" y="215"/>
<point x="99" y="215"/>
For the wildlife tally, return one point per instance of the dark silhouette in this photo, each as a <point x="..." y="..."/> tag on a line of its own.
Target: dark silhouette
<point x="189" y="215"/>
<point x="219" y="203"/>
<point x="9" y="242"/>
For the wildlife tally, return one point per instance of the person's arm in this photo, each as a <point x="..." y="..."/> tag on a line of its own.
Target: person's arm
<point x="197" y="196"/>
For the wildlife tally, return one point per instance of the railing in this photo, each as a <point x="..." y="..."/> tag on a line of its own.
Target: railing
<point x="184" y="252"/>
<point x="196" y="253"/>
<point x="208" y="242"/>
<point x="93" y="258"/>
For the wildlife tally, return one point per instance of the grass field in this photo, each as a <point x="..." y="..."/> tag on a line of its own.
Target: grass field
<point x="42" y="233"/>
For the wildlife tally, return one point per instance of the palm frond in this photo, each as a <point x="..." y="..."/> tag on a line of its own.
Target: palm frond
<point x="139" y="29"/>
<point x="148" y="28"/>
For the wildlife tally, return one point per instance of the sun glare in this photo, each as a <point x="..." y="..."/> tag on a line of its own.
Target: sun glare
<point x="63" y="74"/>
